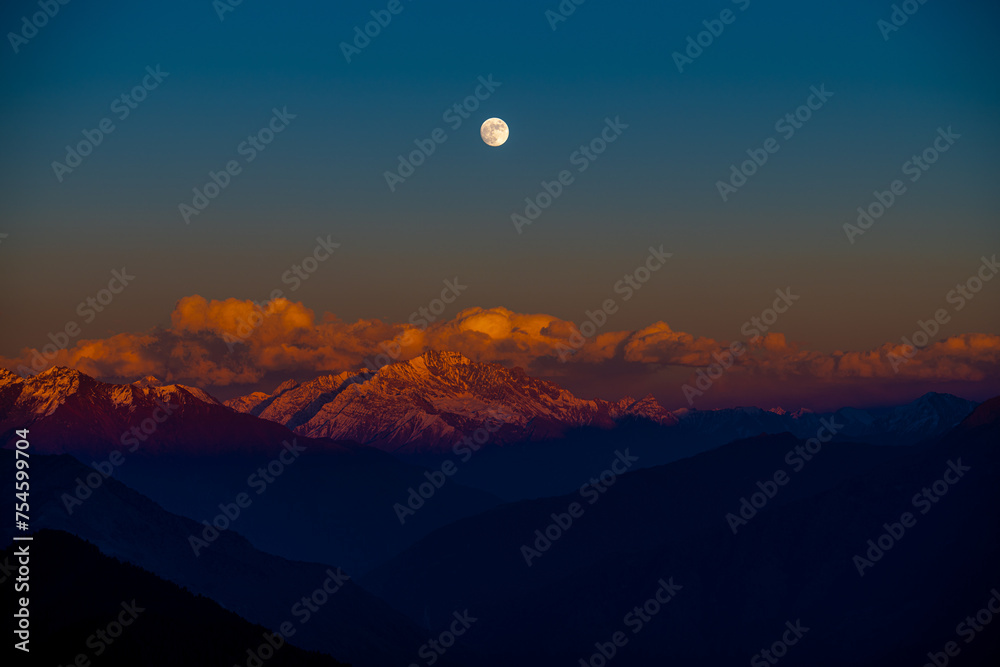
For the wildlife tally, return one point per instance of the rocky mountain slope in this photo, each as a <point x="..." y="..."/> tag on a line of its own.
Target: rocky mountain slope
<point x="434" y="401"/>
<point x="68" y="411"/>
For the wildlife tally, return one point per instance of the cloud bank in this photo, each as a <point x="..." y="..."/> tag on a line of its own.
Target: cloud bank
<point x="213" y="343"/>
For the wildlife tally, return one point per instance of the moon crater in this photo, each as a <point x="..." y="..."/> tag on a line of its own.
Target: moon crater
<point x="495" y="132"/>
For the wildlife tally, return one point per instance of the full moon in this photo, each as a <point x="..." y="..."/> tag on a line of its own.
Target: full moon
<point x="495" y="132"/>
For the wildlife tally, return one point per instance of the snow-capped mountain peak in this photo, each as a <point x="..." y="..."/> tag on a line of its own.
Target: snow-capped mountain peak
<point x="433" y="401"/>
<point x="69" y="411"/>
<point x="148" y="381"/>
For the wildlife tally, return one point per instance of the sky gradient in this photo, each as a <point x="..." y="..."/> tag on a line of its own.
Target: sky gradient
<point x="324" y="176"/>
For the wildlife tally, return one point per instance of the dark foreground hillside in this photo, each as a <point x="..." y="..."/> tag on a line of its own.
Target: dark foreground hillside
<point x="827" y="552"/>
<point x="118" y="615"/>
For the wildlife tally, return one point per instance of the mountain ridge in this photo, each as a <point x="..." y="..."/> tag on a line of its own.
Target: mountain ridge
<point x="69" y="411"/>
<point x="427" y="404"/>
<point x="434" y="401"/>
<point x="430" y="402"/>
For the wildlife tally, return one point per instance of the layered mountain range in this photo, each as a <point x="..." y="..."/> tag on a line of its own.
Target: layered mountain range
<point x="421" y="545"/>
<point x="826" y="548"/>
<point x="426" y="404"/>
<point x="261" y="587"/>
<point x="435" y="400"/>
<point x="71" y="412"/>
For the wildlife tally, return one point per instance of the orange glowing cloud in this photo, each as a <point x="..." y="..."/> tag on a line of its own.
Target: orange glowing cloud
<point x="238" y="342"/>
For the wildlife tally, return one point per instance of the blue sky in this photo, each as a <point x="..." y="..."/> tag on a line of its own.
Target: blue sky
<point x="657" y="184"/>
